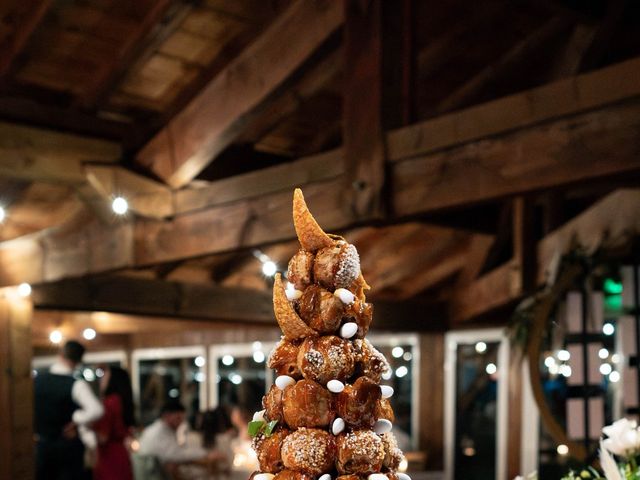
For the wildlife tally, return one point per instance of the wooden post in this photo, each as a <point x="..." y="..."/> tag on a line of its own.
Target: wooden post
<point x="364" y="151"/>
<point x="432" y="410"/>
<point x="16" y="387"/>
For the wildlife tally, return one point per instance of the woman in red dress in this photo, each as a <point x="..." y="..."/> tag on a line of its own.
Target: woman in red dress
<point x="113" y="428"/>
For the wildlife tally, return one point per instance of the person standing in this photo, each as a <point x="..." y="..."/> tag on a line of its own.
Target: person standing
<point x="114" y="426"/>
<point x="62" y="404"/>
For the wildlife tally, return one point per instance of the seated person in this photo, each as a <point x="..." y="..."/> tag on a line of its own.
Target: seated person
<point x="160" y="440"/>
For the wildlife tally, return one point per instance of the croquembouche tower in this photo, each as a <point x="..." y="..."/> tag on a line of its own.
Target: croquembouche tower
<point x="327" y="417"/>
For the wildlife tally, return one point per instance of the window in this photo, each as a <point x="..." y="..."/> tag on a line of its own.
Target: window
<point x="475" y="405"/>
<point x="164" y="374"/>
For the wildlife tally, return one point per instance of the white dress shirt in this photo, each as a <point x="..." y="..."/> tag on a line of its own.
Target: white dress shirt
<point x="90" y="407"/>
<point x="160" y="440"/>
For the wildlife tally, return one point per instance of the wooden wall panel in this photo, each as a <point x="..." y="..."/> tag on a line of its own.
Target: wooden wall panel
<point x="432" y="399"/>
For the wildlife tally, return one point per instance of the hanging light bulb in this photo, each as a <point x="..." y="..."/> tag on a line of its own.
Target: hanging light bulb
<point x="120" y="205"/>
<point x="24" y="290"/>
<point x="269" y="268"/>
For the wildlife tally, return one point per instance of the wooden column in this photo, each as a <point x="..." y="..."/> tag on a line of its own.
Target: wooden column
<point x="432" y="404"/>
<point x="16" y="387"/>
<point x="364" y="152"/>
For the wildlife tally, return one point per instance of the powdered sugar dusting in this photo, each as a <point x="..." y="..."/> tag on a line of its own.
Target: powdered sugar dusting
<point x="348" y="268"/>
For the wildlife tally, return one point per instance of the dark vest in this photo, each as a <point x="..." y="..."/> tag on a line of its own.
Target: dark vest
<point x="53" y="404"/>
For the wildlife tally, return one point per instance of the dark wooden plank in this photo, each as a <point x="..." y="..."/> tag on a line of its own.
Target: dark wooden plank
<point x="512" y="59"/>
<point x="16" y="391"/>
<point x="126" y="295"/>
<point x="23" y="20"/>
<point x="579" y="148"/>
<point x="110" y="70"/>
<point x="214" y="118"/>
<point x="364" y="153"/>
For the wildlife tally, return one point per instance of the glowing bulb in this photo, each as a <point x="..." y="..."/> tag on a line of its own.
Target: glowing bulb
<point x="562" y="449"/>
<point x="88" y="375"/>
<point x="605" y="369"/>
<point x="407" y="356"/>
<point x="199" y="361"/>
<point x="615" y="358"/>
<point x="3" y="214"/>
<point x="269" y="268"/>
<point x="614" y="377"/>
<point x="603" y="353"/>
<point x="199" y="377"/>
<point x="554" y="369"/>
<point x="89" y="333"/>
<point x="55" y="336"/>
<point x="608" y="329"/>
<point x="404" y="464"/>
<point x="258" y="356"/>
<point x="397" y="352"/>
<point x="549" y="361"/>
<point x="24" y="289"/>
<point x="256" y="346"/>
<point x="228" y="360"/>
<point x="481" y="347"/>
<point x="120" y="205"/>
<point x="401" y="371"/>
<point x="565" y="370"/>
<point x="563" y="355"/>
<point x="235" y="379"/>
<point x="491" y="368"/>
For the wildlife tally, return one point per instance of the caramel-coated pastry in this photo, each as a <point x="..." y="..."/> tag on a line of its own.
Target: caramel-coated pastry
<point x="300" y="269"/>
<point x="369" y="361"/>
<point x="384" y="410"/>
<point x="310" y="235"/>
<point x="268" y="450"/>
<point x="320" y="309"/>
<point x="337" y="266"/>
<point x="361" y="314"/>
<point x="360" y="452"/>
<point x="309" y="450"/>
<point x="272" y="403"/>
<point x="356" y="404"/>
<point x="307" y="404"/>
<point x="292" y="475"/>
<point x="326" y="358"/>
<point x="290" y="323"/>
<point x="284" y="359"/>
<point x="348" y="477"/>
<point x="392" y="454"/>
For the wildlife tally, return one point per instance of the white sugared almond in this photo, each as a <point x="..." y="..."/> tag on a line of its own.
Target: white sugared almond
<point x="335" y="386"/>
<point x="348" y="330"/>
<point x="345" y="296"/>
<point x="377" y="476"/>
<point x="337" y="426"/>
<point x="386" y="391"/>
<point x="326" y="476"/>
<point x="264" y="476"/>
<point x="258" y="416"/>
<point x="402" y="476"/>
<point x="382" y="426"/>
<point x="293" y="294"/>
<point x="283" y="381"/>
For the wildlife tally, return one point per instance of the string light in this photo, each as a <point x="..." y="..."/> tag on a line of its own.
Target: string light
<point x="55" y="336"/>
<point x="24" y="290"/>
<point x="562" y="449"/>
<point x="614" y="377"/>
<point x="397" y="352"/>
<point x="199" y="361"/>
<point x="563" y="355"/>
<point x="120" y="205"/>
<point x="89" y="333"/>
<point x="269" y="268"/>
<point x="228" y="360"/>
<point x="605" y="369"/>
<point x="608" y="329"/>
<point x="258" y="356"/>
<point x="481" y="347"/>
<point x="491" y="368"/>
<point x="603" y="353"/>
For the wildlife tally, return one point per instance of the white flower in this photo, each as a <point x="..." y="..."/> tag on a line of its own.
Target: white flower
<point x="624" y="437"/>
<point x="608" y="464"/>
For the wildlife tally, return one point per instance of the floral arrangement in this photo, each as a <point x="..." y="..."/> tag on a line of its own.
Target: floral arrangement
<point x="619" y="454"/>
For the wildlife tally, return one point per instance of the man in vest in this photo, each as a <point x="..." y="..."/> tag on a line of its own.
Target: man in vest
<point x="62" y="404"/>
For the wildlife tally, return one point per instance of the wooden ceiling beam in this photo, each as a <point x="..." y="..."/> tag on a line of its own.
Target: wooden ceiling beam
<point x="580" y="147"/>
<point x="193" y="302"/>
<point x="43" y="155"/>
<point x="215" y="117"/>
